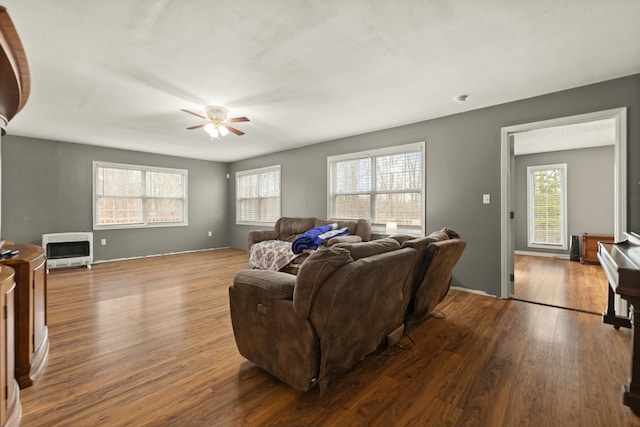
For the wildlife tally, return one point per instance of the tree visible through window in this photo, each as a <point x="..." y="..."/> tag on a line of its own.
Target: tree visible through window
<point x="382" y="185"/>
<point x="258" y="195"/>
<point x="547" y="205"/>
<point x="138" y="196"/>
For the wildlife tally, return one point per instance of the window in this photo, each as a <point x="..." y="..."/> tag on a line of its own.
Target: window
<point x="138" y="196"/>
<point x="547" y="206"/>
<point x="258" y="196"/>
<point x="381" y="185"/>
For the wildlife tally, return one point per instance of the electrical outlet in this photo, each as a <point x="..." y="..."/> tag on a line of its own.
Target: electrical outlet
<point x="103" y="242"/>
<point x="486" y="199"/>
<point x="210" y="234"/>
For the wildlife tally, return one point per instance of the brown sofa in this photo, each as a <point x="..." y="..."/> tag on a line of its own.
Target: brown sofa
<point x="437" y="255"/>
<point x="288" y="229"/>
<point x="344" y="302"/>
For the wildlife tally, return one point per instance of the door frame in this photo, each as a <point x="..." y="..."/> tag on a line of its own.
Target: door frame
<point x="507" y="183"/>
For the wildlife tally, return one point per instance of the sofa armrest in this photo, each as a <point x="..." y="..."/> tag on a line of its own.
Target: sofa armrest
<point x="344" y="239"/>
<point x="363" y="229"/>
<point x="266" y="283"/>
<point x="441" y="258"/>
<point x="256" y="236"/>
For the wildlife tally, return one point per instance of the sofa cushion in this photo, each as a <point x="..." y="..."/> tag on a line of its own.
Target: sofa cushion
<point x="420" y="243"/>
<point x="290" y="228"/>
<point x="266" y="283"/>
<point x="344" y="239"/>
<point x="366" y="249"/>
<point x="313" y="272"/>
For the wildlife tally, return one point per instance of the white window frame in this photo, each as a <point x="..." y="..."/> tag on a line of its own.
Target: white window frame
<point x="144" y="170"/>
<point x="258" y="172"/>
<point x="379" y="228"/>
<point x="563" y="211"/>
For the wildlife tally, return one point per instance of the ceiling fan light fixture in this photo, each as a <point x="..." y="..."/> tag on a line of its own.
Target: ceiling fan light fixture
<point x="211" y="130"/>
<point x="218" y="122"/>
<point x="214" y="112"/>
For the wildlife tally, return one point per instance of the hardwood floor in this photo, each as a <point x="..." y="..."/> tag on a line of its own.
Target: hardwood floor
<point x="149" y="343"/>
<point x="561" y="283"/>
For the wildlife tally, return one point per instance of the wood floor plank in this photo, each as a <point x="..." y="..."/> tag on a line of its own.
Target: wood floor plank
<point x="561" y="283"/>
<point x="149" y="342"/>
<point x="491" y="394"/>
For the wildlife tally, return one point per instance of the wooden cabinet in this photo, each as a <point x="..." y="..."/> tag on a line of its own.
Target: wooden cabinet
<point x="10" y="408"/>
<point x="590" y="246"/>
<point x="31" y="333"/>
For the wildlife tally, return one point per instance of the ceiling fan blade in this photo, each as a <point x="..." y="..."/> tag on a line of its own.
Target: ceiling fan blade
<point x="197" y="126"/>
<point x="195" y="114"/>
<point x="238" y="119"/>
<point x="234" y="130"/>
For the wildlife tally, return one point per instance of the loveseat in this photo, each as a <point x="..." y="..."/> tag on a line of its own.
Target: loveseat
<point x="286" y="230"/>
<point x="346" y="300"/>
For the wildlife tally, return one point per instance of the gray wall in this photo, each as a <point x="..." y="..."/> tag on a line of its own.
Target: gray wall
<point x="46" y="185"/>
<point x="462" y="163"/>
<point x="47" y="188"/>
<point x="590" y="183"/>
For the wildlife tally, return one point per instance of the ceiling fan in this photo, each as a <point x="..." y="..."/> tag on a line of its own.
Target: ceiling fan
<point x="217" y="122"/>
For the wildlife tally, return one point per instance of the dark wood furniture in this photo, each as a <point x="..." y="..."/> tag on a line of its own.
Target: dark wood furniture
<point x="10" y="408"/>
<point x="621" y="264"/>
<point x="590" y="246"/>
<point x="31" y="334"/>
<point x="15" y="83"/>
<point x="15" y="86"/>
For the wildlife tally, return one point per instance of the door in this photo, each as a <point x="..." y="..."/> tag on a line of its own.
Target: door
<point x="507" y="183"/>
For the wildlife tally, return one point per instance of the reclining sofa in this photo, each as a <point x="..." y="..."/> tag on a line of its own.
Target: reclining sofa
<point x="288" y="229"/>
<point x="345" y="301"/>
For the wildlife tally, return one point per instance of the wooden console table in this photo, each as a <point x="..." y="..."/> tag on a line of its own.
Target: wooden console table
<point x="10" y="408"/>
<point x="590" y="247"/>
<point x="31" y="333"/>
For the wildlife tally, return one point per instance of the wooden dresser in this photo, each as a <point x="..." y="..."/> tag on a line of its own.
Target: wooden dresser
<point x="590" y="247"/>
<point x="31" y="334"/>
<point x="10" y="408"/>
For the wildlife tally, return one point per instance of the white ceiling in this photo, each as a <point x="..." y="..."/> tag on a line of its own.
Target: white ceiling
<point x="117" y="73"/>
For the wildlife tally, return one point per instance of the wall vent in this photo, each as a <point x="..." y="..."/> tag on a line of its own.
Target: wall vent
<point x="68" y="249"/>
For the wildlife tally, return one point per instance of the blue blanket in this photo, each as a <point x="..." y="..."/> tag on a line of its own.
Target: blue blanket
<point x="316" y="236"/>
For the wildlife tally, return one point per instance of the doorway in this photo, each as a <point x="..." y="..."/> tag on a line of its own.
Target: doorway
<point x="508" y="205"/>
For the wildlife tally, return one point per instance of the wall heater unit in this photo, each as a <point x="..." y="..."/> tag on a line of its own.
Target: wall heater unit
<point x="68" y="249"/>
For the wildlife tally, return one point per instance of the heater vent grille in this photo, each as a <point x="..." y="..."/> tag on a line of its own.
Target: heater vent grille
<point x="68" y="249"/>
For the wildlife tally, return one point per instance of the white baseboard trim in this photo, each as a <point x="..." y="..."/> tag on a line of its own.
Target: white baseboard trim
<point x="542" y="254"/>
<point x="473" y="291"/>
<point x="156" y="255"/>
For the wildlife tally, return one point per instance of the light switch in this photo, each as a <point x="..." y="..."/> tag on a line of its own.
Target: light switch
<point x="486" y="199"/>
